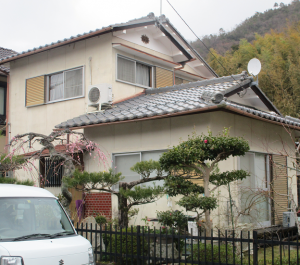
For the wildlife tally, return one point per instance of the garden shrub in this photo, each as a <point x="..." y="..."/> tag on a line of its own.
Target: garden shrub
<point x="15" y="181"/>
<point x="207" y="251"/>
<point x="285" y="261"/>
<point x="101" y="220"/>
<point x="172" y="218"/>
<point x="131" y="244"/>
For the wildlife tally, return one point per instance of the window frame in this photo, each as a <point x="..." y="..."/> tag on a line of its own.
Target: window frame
<point x="47" y="88"/>
<point x="152" y="78"/>
<point x="268" y="177"/>
<point x="3" y="117"/>
<point x="140" y="153"/>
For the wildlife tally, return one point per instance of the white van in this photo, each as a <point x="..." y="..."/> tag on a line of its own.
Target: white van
<point x="35" y="230"/>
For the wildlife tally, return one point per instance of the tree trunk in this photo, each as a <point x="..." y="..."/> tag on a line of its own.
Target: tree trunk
<point x="123" y="208"/>
<point x="69" y="169"/>
<point x="208" y="223"/>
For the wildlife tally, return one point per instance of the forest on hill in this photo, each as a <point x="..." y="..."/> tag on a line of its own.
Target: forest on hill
<point x="279" y="53"/>
<point x="260" y="23"/>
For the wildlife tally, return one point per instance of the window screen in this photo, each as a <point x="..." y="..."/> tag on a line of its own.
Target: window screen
<point x="56" y="87"/>
<point x="73" y="83"/>
<point x="154" y="155"/>
<point x="252" y="188"/>
<point x="142" y="74"/>
<point x="67" y="84"/>
<point x="123" y="163"/>
<point x="126" y="70"/>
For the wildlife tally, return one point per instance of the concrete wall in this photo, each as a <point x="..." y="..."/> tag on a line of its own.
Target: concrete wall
<point x="164" y="133"/>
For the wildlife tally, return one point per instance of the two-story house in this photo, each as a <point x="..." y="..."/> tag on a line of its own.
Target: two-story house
<point x="4" y="80"/>
<point x="138" y="88"/>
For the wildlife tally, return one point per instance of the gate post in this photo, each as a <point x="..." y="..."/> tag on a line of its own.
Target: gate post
<point x="255" y="248"/>
<point x="138" y="230"/>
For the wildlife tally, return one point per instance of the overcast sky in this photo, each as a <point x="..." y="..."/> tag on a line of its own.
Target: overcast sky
<point x="31" y="23"/>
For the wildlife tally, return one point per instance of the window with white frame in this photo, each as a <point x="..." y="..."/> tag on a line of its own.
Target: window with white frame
<point x="134" y="72"/>
<point x="253" y="190"/>
<point x="65" y="85"/>
<point x="124" y="161"/>
<point x="54" y="87"/>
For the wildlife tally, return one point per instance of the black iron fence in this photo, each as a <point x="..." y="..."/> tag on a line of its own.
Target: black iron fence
<point x="142" y="245"/>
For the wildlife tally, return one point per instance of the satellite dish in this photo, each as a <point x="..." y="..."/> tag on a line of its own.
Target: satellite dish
<point x="254" y="67"/>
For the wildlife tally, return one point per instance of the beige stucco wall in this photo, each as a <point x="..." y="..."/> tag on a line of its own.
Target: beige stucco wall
<point x="101" y="69"/>
<point x="164" y="133"/>
<point x="43" y="118"/>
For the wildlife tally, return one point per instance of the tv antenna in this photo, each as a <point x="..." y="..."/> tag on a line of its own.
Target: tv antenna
<point x="254" y="67"/>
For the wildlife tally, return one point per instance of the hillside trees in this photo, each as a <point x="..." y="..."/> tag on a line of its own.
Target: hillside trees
<point x="279" y="54"/>
<point x="259" y="23"/>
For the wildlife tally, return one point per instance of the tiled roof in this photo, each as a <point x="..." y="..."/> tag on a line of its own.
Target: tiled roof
<point x="176" y="100"/>
<point x="3" y="54"/>
<point x="149" y="18"/>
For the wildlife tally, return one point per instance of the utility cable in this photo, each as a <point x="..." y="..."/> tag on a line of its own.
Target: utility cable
<point x="202" y="43"/>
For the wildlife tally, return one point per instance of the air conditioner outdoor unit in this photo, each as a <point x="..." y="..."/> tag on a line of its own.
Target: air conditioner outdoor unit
<point x="99" y="96"/>
<point x="288" y="219"/>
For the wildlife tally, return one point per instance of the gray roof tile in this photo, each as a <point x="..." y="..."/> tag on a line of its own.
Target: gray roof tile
<point x="176" y="99"/>
<point x="5" y="53"/>
<point x="149" y="18"/>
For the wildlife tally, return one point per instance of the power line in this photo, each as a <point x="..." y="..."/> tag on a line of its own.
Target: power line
<point x="203" y="43"/>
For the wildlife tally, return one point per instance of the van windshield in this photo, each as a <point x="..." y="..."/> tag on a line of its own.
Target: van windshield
<point x="32" y="217"/>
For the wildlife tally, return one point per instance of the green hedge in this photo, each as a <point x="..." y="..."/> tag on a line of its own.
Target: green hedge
<point x="206" y="253"/>
<point x="15" y="181"/>
<point x="131" y="244"/>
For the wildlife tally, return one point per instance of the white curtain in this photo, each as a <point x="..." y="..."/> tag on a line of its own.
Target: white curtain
<point x="142" y="74"/>
<point x="73" y="83"/>
<point x="2" y="100"/>
<point x="126" y="70"/>
<point x="56" y="87"/>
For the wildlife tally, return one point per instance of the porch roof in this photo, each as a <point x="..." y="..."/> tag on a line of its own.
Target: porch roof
<point x="194" y="97"/>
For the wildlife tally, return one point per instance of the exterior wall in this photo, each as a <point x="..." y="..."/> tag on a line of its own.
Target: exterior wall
<point x="98" y="203"/>
<point x="164" y="133"/>
<point x="43" y="118"/>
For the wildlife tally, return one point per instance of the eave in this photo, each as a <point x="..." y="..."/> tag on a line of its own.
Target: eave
<point x="221" y="107"/>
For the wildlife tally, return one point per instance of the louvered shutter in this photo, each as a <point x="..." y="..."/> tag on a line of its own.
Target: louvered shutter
<point x="35" y="91"/>
<point x="279" y="187"/>
<point x="163" y="77"/>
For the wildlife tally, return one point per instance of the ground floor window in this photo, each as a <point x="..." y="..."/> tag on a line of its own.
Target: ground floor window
<point x="254" y="204"/>
<point x="263" y="195"/>
<point x="122" y="162"/>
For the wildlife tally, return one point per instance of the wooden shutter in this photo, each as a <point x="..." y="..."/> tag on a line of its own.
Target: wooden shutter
<point x="163" y="77"/>
<point x="279" y="187"/>
<point x="35" y="91"/>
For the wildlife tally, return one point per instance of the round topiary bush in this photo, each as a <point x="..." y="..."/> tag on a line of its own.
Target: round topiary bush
<point x="101" y="220"/>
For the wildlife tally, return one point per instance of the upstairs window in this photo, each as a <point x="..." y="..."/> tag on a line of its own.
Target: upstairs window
<point x="134" y="72"/>
<point x="65" y="85"/>
<point x="54" y="87"/>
